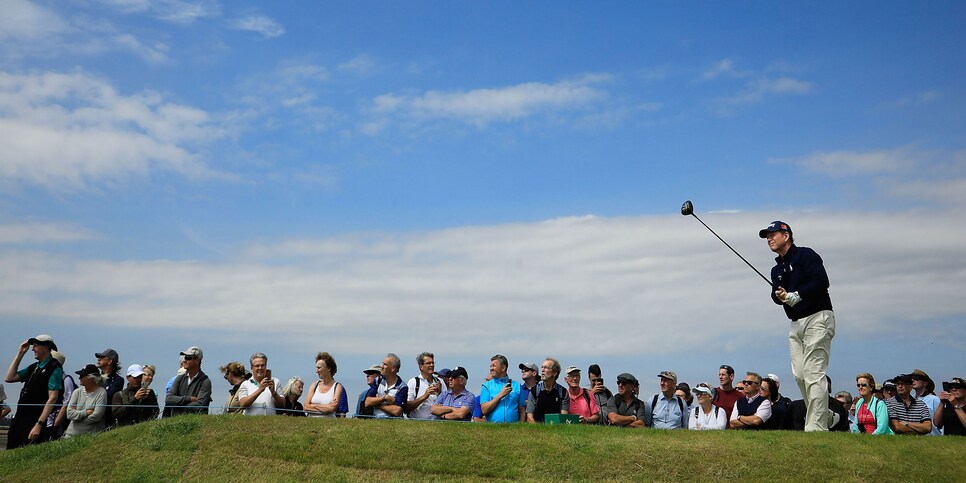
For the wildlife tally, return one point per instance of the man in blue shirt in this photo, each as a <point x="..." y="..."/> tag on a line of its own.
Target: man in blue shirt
<point x="667" y="411"/>
<point x="388" y="394"/>
<point x="455" y="403"/>
<point x="500" y="396"/>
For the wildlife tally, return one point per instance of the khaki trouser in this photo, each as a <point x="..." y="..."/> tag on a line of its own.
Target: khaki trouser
<point x="810" y="341"/>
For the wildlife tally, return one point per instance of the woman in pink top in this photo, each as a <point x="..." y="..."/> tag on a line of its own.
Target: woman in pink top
<point x="871" y="414"/>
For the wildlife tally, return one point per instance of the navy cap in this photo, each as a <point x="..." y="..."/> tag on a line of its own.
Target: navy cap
<point x="88" y="370"/>
<point x="459" y="372"/>
<point x="444" y="373"/>
<point x="776" y="225"/>
<point x="903" y="378"/>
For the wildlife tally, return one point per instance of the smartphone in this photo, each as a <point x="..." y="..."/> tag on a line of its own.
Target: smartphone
<point x="509" y="383"/>
<point x="946" y="386"/>
<point x="268" y="374"/>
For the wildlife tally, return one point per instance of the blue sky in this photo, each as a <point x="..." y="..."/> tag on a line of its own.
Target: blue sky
<point x="471" y="178"/>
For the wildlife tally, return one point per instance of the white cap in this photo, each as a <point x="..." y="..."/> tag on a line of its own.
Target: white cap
<point x="773" y="377"/>
<point x="135" y="370"/>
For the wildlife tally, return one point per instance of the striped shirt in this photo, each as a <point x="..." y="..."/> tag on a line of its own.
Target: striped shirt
<point x="916" y="412"/>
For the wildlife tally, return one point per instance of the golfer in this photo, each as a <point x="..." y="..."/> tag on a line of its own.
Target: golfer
<point x="800" y="284"/>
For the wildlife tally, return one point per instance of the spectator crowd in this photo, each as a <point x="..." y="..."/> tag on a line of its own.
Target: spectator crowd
<point x="53" y="404"/>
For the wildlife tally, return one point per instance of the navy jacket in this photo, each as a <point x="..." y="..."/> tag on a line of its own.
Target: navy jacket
<point x="801" y="270"/>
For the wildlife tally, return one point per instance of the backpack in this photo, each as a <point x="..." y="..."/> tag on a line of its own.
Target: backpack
<point x="680" y="406"/>
<point x="716" y="409"/>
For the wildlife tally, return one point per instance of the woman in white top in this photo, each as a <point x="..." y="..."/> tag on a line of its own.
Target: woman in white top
<point x="87" y="404"/>
<point x="704" y="415"/>
<point x="322" y="399"/>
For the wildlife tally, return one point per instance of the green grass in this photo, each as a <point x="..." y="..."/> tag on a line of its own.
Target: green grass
<point x="239" y="448"/>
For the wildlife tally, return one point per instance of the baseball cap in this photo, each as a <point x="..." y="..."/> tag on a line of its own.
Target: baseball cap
<point x="375" y="369"/>
<point x="776" y="225"/>
<point x="88" y="370"/>
<point x="135" y="370"/>
<point x="59" y="356"/>
<point x="774" y="377"/>
<point x="669" y="375"/>
<point x="889" y="384"/>
<point x="44" y="340"/>
<point x="528" y="366"/>
<point x="444" y="372"/>
<point x="194" y="351"/>
<point x="459" y="372"/>
<point x="109" y="353"/>
<point x="903" y="378"/>
<point x="571" y="369"/>
<point x="627" y="377"/>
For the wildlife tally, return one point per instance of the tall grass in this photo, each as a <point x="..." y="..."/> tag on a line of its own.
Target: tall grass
<point x="239" y="448"/>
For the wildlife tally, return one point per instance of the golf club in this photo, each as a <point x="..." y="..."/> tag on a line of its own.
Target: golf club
<point x="688" y="209"/>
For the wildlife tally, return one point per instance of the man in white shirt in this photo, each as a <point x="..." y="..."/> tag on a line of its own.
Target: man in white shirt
<point x="423" y="389"/>
<point x="260" y="394"/>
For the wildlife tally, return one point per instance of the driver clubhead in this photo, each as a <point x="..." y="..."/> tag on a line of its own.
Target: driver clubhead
<point x="687" y="208"/>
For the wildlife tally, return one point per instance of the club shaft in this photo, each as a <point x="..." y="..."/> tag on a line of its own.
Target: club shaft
<point x="733" y="250"/>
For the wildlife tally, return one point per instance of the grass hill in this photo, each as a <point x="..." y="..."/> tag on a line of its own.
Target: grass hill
<point x="239" y="448"/>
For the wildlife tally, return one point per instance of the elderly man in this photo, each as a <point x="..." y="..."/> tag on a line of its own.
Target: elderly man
<point x="625" y="409"/>
<point x="581" y="403"/>
<point x="667" y="411"/>
<point x="455" y="403"/>
<point x="388" y="394"/>
<point x="43" y="382"/>
<point x="500" y="396"/>
<point x="372" y="374"/>
<point x="191" y="391"/>
<point x="260" y="394"/>
<point x="908" y="415"/>
<point x="134" y="404"/>
<point x="423" y="389"/>
<point x="800" y="286"/>
<point x="547" y="397"/>
<point x="751" y="411"/>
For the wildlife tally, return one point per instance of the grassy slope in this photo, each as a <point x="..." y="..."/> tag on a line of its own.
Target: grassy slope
<point x="237" y="448"/>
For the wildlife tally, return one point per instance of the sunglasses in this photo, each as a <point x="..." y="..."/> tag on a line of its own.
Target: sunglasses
<point x="750" y="382"/>
<point x="861" y="385"/>
<point x="190" y="358"/>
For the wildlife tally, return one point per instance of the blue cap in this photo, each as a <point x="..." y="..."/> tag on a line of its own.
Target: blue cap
<point x="776" y="225"/>
<point x="443" y="373"/>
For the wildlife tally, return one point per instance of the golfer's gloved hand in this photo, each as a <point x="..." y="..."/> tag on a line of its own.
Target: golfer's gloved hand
<point x="792" y="298"/>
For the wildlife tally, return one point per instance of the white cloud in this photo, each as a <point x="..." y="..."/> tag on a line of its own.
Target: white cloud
<point x="153" y="54"/>
<point x="182" y="12"/>
<point x="722" y="68"/>
<point x="261" y="24"/>
<point x="482" y="106"/>
<point x="767" y="87"/>
<point x="33" y="233"/>
<point x="838" y="164"/>
<point x="24" y="20"/>
<point x="360" y="65"/>
<point x="904" y="173"/>
<point x="72" y="130"/>
<point x="656" y="280"/>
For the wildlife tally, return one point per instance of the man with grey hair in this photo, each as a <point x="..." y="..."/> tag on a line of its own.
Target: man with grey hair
<point x="260" y="394"/>
<point x="547" y="397"/>
<point x="455" y="403"/>
<point x="388" y="394"/>
<point x="190" y="392"/>
<point x="423" y="389"/>
<point x="753" y="410"/>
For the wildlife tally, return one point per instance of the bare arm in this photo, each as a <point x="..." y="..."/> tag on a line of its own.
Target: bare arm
<point x="15" y="363"/>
